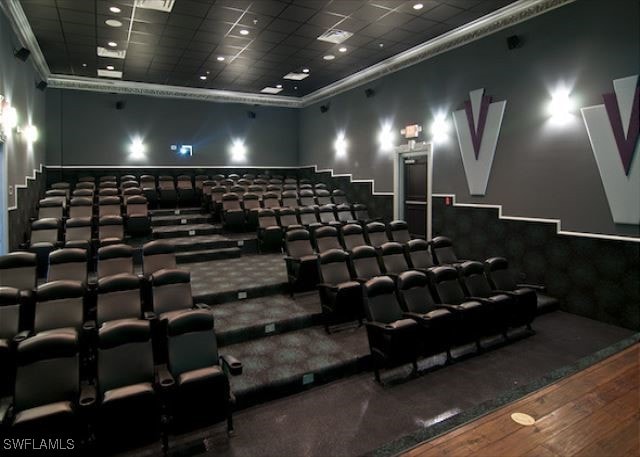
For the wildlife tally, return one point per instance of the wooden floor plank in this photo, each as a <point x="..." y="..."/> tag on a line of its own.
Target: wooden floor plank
<point x="578" y="415"/>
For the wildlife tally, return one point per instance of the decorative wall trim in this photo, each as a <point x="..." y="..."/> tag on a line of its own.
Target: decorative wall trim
<point x="512" y="14"/>
<point x="191" y="167"/>
<point x="36" y="171"/>
<point x="21" y="27"/>
<point x="350" y="176"/>
<point x="558" y="222"/>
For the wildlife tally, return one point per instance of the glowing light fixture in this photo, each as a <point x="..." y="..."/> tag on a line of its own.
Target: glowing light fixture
<point x="440" y="128"/>
<point x="244" y="32"/>
<point x="203" y="77"/>
<point x="113" y="44"/>
<point x="386" y="138"/>
<point x="279" y="86"/>
<point x="9" y="118"/>
<point x="340" y="145"/>
<point x="110" y="67"/>
<point x="115" y="9"/>
<point x="113" y="23"/>
<point x="560" y="108"/>
<point x="31" y="133"/>
<point x="305" y="70"/>
<point x="137" y="148"/>
<point x="220" y="58"/>
<point x="238" y="151"/>
<point x="418" y="6"/>
<point x="329" y="57"/>
<point x="342" y="49"/>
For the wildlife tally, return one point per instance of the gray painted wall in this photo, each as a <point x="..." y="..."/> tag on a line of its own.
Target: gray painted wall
<point x="17" y="84"/>
<point x="85" y="128"/>
<point x="538" y="171"/>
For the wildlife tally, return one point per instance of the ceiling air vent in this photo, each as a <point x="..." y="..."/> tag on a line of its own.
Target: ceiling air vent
<point x="271" y="90"/>
<point x="110" y="74"/>
<point x="159" y="5"/>
<point x="335" y="36"/>
<point x="112" y="53"/>
<point x="295" y="76"/>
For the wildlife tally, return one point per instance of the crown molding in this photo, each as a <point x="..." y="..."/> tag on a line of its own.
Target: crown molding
<point x="512" y="14"/>
<point x="21" y="27"/>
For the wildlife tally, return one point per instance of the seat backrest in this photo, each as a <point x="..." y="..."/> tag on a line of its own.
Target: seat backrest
<point x="78" y="229"/>
<point x="338" y="197"/>
<point x="125" y="354"/>
<point x="474" y="280"/>
<point x="230" y="201"/>
<point x="414" y="293"/>
<point x="258" y="190"/>
<point x="191" y="341"/>
<point x="267" y="218"/>
<point x="110" y="178"/>
<point x="238" y="190"/>
<point x="376" y="234"/>
<point x="497" y="269"/>
<point x="323" y="197"/>
<point x="115" y="259"/>
<point x="108" y="185"/>
<point x="447" y="285"/>
<point x="110" y="227"/>
<point x="304" y="186"/>
<point x="147" y="182"/>
<point x="184" y="182"/>
<point x="399" y="231"/>
<point x="270" y="200"/>
<point x="108" y="192"/>
<point x="158" y="255"/>
<point x="250" y="201"/>
<point x="109" y="206"/>
<point x="290" y="198"/>
<point x="50" y="208"/>
<point x="287" y="217"/>
<point x="85" y="186"/>
<point x="18" y="269"/>
<point x="352" y="236"/>
<point x="233" y="177"/>
<point x="171" y="290"/>
<point x="307" y="197"/>
<point x="249" y="176"/>
<point x="298" y="243"/>
<point x="9" y="312"/>
<point x="166" y="183"/>
<point x="344" y="213"/>
<point x="59" y="304"/>
<point x="83" y="193"/>
<point x="334" y="267"/>
<point x="199" y="181"/>
<point x="442" y="249"/>
<point x="86" y="179"/>
<point x="326" y="238"/>
<point x="207" y="185"/>
<point x="288" y="186"/>
<point x="227" y="183"/>
<point x="290" y="180"/>
<point x="393" y="258"/>
<point x="45" y="231"/>
<point x="365" y="262"/>
<point x="361" y="212"/>
<point x="129" y="185"/>
<point x="320" y="185"/>
<point x="327" y="213"/>
<point x="307" y="215"/>
<point x="81" y="207"/>
<point x="217" y="193"/>
<point x="118" y="298"/>
<point x="381" y="303"/>
<point x="419" y="254"/>
<point x="124" y="178"/>
<point x="69" y="263"/>
<point x="137" y="206"/>
<point x="48" y="370"/>
<point x="244" y="183"/>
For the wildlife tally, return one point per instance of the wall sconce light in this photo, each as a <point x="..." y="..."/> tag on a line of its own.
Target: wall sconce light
<point x="440" y="128"/>
<point x="386" y="137"/>
<point x="31" y="133"/>
<point x="340" y="145"/>
<point x="238" y="151"/>
<point x="561" y="106"/>
<point x="137" y="149"/>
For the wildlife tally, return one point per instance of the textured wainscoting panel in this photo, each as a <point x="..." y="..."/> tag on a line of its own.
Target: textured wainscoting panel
<point x="27" y="200"/>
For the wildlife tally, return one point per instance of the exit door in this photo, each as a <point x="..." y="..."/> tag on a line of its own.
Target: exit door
<point x="416" y="195"/>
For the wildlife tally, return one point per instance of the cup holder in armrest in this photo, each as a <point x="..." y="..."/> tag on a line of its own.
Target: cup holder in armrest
<point x="167" y="382"/>
<point x="86" y="401"/>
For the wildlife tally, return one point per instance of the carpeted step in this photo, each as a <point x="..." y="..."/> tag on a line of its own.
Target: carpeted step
<point x="182" y="219"/>
<point x="173" y="231"/>
<point x="247" y="242"/>
<point x="175" y="212"/>
<point x="208" y="254"/>
<point x="283" y="364"/>
<point x="245" y="320"/>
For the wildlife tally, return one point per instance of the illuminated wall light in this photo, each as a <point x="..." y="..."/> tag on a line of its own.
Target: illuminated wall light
<point x="340" y="145"/>
<point x="137" y="149"/>
<point x="9" y="118"/>
<point x="440" y="129"/>
<point x="31" y="133"/>
<point x="561" y="106"/>
<point x="238" y="151"/>
<point x="386" y="138"/>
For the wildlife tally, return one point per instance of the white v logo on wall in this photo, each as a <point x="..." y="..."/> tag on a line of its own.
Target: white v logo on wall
<point x="478" y="127"/>
<point x="613" y="129"/>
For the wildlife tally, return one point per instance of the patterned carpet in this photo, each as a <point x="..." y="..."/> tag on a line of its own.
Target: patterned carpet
<point x="173" y="228"/>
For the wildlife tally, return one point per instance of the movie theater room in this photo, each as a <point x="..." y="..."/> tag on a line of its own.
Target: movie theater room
<point x="318" y="228"/>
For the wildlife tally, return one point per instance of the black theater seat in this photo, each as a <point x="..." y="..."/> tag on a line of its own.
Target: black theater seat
<point x="186" y="192"/>
<point x="167" y="192"/>
<point x="45" y="237"/>
<point x="11" y="321"/>
<point x="115" y="259"/>
<point x="19" y="270"/>
<point x="233" y="216"/>
<point x="138" y="222"/>
<point x="157" y="255"/>
<point x="443" y="252"/>
<point x="392" y="258"/>
<point x="110" y="230"/>
<point x="338" y="197"/>
<point x="352" y="236"/>
<point x="251" y="206"/>
<point x="68" y="264"/>
<point x="308" y="217"/>
<point x="366" y="265"/>
<point x="269" y="232"/>
<point x="118" y="297"/>
<point x="301" y="261"/>
<point x="326" y="238"/>
<point x="419" y="256"/>
<point x="60" y="306"/>
<point x="287" y="219"/>
<point x="376" y="233"/>
<point x="393" y="339"/>
<point x="171" y="292"/>
<point x="399" y="231"/>
<point x="341" y="297"/>
<point x="81" y="207"/>
<point x="52" y="207"/>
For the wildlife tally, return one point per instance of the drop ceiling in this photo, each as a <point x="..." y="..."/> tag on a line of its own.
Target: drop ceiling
<point x="238" y="45"/>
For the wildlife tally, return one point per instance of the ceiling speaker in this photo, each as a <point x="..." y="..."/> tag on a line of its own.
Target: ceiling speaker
<point x="251" y="114"/>
<point x="514" y="42"/>
<point x="42" y="85"/>
<point x="22" y="54"/>
<point x="120" y="104"/>
<point x="369" y="93"/>
<point x="324" y="108"/>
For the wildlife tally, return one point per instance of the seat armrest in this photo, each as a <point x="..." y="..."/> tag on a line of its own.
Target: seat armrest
<point x="163" y="378"/>
<point x="380" y="327"/>
<point x="202" y="306"/>
<point x="291" y="259"/>
<point x="537" y="287"/>
<point x="452" y="308"/>
<point x="360" y="280"/>
<point x="324" y="285"/>
<point x="233" y="365"/>
<point x="506" y="292"/>
<point x="87" y="396"/>
<point x="23" y="335"/>
<point x="24" y="245"/>
<point x="89" y="326"/>
<point x="5" y="410"/>
<point x="414" y="316"/>
<point x="480" y="299"/>
<point x="149" y="316"/>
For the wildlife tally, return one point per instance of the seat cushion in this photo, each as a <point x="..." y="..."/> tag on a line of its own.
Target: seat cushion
<point x="308" y="258"/>
<point x="127" y="393"/>
<point x="469" y="305"/>
<point x="4" y="345"/>
<point x="201" y="375"/>
<point x="61" y="410"/>
<point x="348" y="285"/>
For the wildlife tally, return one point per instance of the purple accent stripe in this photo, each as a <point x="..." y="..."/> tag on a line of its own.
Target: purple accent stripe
<point x="626" y="146"/>
<point x="476" y="135"/>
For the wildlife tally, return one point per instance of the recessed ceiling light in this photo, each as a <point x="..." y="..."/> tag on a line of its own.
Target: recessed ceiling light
<point x="220" y="59"/>
<point x="279" y="86"/>
<point x="113" y="44"/>
<point x="110" y="67"/>
<point x="381" y="45"/>
<point x="295" y="87"/>
<point x="342" y="49"/>
<point x="113" y="23"/>
<point x="305" y="70"/>
<point x="329" y="57"/>
<point x="418" y="6"/>
<point x="84" y="64"/>
<point x="244" y="32"/>
<point x="115" y="9"/>
<point x="271" y="90"/>
<point x="203" y="77"/>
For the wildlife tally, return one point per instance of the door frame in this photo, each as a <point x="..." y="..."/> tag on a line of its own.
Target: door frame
<point x="405" y="152"/>
<point x="4" y="199"/>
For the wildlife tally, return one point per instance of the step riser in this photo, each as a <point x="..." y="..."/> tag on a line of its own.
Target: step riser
<point x="178" y="221"/>
<point x="183" y="233"/>
<point x="171" y="212"/>
<point x="248" y="247"/>
<point x="226" y="297"/>
<point x="229" y="253"/>
<point x="244" y="334"/>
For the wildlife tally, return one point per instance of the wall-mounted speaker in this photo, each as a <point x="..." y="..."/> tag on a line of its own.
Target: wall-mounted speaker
<point x="42" y="85"/>
<point x="369" y="93"/>
<point x="22" y="54"/>
<point x="324" y="108"/>
<point x="120" y="104"/>
<point x="251" y="114"/>
<point x="514" y="42"/>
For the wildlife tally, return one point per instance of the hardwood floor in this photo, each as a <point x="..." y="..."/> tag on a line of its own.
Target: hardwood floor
<point x="594" y="413"/>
